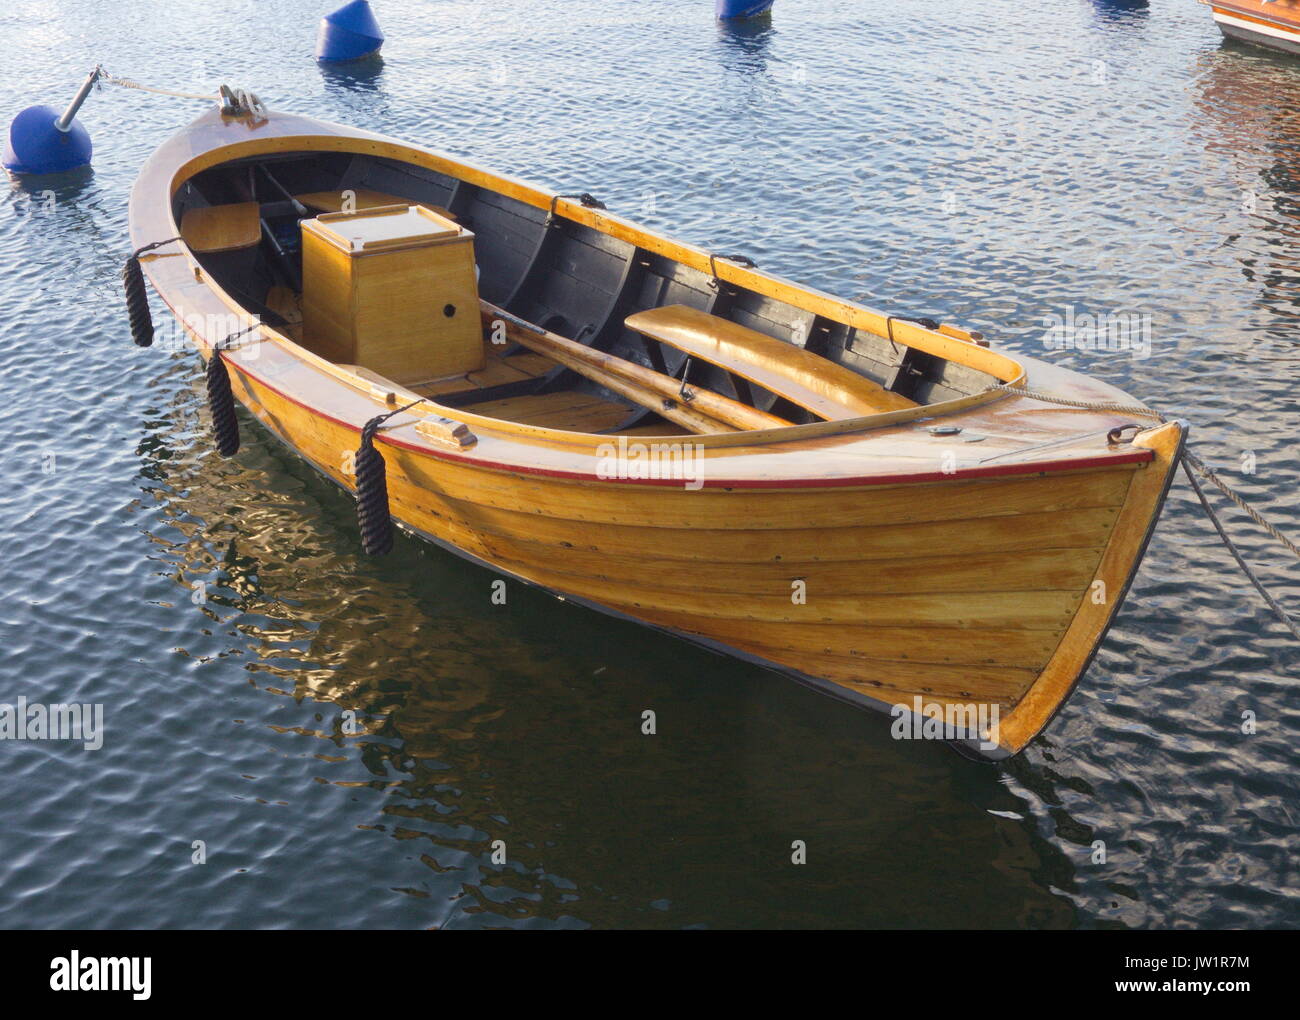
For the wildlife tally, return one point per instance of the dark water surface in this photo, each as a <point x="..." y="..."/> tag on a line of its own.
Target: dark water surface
<point x="994" y="165"/>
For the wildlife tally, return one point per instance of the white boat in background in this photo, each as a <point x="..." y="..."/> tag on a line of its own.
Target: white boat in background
<point x="1271" y="23"/>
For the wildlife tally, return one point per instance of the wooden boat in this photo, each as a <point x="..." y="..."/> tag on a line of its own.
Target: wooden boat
<point x="865" y="502"/>
<point x="1271" y="23"/>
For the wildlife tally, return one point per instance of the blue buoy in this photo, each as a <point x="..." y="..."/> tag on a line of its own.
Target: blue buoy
<point x="1121" y="6"/>
<point x="44" y="141"/>
<point x="350" y="33"/>
<point x="37" y="146"/>
<point x="729" y="9"/>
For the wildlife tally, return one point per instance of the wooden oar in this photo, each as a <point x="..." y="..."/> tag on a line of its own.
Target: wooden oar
<point x="704" y="412"/>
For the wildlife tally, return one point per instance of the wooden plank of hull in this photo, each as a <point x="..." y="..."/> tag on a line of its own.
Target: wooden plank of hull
<point x="669" y="507"/>
<point x="1033" y="610"/>
<point x="844" y="544"/>
<point x="808" y="643"/>
<point x="895" y="682"/>
<point x="1027" y="570"/>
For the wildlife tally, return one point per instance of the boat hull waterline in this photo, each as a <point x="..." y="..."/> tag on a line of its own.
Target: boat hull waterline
<point x="1273" y="24"/>
<point x="876" y="558"/>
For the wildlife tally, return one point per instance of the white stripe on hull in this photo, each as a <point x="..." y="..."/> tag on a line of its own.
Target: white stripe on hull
<point x="1272" y="36"/>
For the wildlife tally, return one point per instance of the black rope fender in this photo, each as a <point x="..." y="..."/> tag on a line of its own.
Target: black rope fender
<point x="373" y="516"/>
<point x="137" y="298"/>
<point x="221" y="402"/>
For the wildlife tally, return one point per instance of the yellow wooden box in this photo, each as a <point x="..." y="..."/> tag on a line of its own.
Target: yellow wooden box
<point x="392" y="289"/>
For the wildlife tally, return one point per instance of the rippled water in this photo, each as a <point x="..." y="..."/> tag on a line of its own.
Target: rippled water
<point x="995" y="165"/>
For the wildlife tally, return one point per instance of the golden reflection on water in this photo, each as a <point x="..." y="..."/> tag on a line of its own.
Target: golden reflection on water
<point x="522" y="723"/>
<point x="1248" y="106"/>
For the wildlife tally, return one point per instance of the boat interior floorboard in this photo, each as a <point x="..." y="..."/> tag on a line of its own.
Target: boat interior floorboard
<point x="571" y="411"/>
<point x="658" y="428"/>
<point x="498" y="368"/>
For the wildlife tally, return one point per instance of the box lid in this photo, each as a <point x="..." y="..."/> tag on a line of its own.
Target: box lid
<point x="384" y="227"/>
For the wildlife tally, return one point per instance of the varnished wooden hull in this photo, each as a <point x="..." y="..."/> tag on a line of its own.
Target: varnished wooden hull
<point x="877" y="561"/>
<point x="977" y="592"/>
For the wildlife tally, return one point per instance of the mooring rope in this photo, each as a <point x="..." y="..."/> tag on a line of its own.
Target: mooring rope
<point x="1236" y="554"/>
<point x="226" y="344"/>
<point x="127" y="83"/>
<point x="233" y="101"/>
<point x="1190" y="462"/>
<point x="1242" y="505"/>
<point x="1011" y="388"/>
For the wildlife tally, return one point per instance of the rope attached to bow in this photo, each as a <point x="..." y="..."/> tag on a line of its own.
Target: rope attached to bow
<point x="1190" y="462"/>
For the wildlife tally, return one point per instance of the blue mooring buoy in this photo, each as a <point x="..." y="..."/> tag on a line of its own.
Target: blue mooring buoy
<point x="732" y="9"/>
<point x="44" y="141"/>
<point x="350" y="33"/>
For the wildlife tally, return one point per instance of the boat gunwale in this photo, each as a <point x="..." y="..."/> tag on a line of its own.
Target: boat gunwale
<point x="1124" y="459"/>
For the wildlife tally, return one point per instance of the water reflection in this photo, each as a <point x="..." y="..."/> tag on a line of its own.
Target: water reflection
<point x="524" y="723"/>
<point x="62" y="187"/>
<point x="364" y="75"/>
<point x="1245" y="99"/>
<point x="745" y="43"/>
<point x="357" y="91"/>
<point x="1121" y="10"/>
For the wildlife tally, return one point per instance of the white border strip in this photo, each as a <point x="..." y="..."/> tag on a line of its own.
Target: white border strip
<point x="1258" y="28"/>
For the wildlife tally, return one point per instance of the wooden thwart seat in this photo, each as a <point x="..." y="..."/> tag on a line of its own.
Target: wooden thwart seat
<point x="222" y="227"/>
<point x="828" y="390"/>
